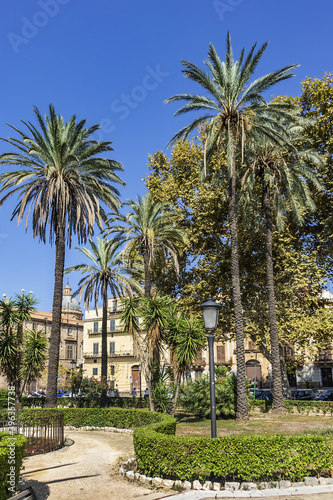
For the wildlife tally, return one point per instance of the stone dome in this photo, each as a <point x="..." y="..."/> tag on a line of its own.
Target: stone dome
<point x="68" y="302"/>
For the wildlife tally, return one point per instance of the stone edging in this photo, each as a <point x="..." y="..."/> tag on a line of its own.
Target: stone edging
<point x="88" y="428"/>
<point x="208" y="485"/>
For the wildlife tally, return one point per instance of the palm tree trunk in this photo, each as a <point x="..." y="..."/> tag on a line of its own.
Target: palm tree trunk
<point x="175" y="397"/>
<point x="278" y="402"/>
<point x="52" y="378"/>
<point x="104" y="368"/>
<point x="242" y="413"/>
<point x="18" y="381"/>
<point x="147" y="272"/>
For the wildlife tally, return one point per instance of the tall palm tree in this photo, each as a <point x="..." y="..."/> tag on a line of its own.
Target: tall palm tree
<point x="61" y="180"/>
<point x="104" y="272"/>
<point x="233" y="108"/>
<point x="283" y="171"/>
<point x="149" y="228"/>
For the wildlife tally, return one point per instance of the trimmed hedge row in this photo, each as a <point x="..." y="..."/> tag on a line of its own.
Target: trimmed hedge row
<point x="10" y="462"/>
<point x="93" y="402"/>
<point x="97" y="417"/>
<point x="231" y="458"/>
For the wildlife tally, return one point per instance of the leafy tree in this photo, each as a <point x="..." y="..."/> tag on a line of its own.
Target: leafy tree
<point x="282" y="172"/>
<point x="233" y="107"/>
<point x="149" y="228"/>
<point x="61" y="181"/>
<point x="104" y="272"/>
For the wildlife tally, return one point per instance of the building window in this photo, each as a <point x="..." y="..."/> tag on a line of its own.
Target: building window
<point x="112" y="347"/>
<point x="112" y="325"/>
<point x="114" y="306"/>
<point x="70" y="331"/>
<point x="95" y="371"/>
<point x="111" y="384"/>
<point x="34" y="326"/>
<point x="95" y="326"/>
<point x="112" y="370"/>
<point x="69" y="352"/>
<point x="220" y="351"/>
<point x="95" y="348"/>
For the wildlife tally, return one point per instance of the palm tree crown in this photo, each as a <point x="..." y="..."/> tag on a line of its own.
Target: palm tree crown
<point x="149" y="228"/>
<point x="62" y="179"/>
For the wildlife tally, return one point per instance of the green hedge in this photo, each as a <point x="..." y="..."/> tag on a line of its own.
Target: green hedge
<point x="96" y="417"/>
<point x="88" y="402"/>
<point x="326" y="407"/>
<point x="241" y="458"/>
<point x="10" y="462"/>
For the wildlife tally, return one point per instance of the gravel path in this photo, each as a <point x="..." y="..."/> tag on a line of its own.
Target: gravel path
<point x="86" y="469"/>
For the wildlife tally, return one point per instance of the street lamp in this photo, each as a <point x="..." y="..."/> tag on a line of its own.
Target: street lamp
<point x="210" y="311"/>
<point x="73" y="363"/>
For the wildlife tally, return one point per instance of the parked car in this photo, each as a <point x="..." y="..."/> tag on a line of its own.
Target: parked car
<point x="265" y="395"/>
<point x="304" y="394"/>
<point x="325" y="396"/>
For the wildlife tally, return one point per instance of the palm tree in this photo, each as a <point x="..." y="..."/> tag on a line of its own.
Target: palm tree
<point x="34" y="356"/>
<point x="22" y="353"/>
<point x="61" y="180"/>
<point x="186" y="338"/>
<point x="234" y="108"/>
<point x="149" y="228"/>
<point x="102" y="273"/>
<point x="282" y="170"/>
<point x="155" y="313"/>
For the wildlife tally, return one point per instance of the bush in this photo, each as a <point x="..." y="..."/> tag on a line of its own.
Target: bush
<point x="10" y="466"/>
<point x="232" y="458"/>
<point x="96" y="417"/>
<point x="195" y="396"/>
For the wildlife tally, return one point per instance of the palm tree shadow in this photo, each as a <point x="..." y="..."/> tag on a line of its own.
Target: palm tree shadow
<point x="42" y="490"/>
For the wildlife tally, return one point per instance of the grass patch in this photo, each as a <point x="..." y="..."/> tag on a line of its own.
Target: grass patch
<point x="259" y="424"/>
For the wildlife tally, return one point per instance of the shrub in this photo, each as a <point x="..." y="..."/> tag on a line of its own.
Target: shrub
<point x="96" y="417"/>
<point x="240" y="458"/>
<point x="8" y="463"/>
<point x="195" y="396"/>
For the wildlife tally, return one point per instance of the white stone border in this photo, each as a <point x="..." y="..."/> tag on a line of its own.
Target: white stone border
<point x="88" y="428"/>
<point x="208" y="485"/>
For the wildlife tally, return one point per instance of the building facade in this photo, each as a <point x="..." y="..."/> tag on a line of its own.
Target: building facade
<point x="123" y="367"/>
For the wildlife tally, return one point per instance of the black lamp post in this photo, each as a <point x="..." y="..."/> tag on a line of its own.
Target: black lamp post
<point x="73" y="363"/>
<point x="210" y="311"/>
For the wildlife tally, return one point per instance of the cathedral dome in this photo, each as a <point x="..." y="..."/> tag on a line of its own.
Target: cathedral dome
<point x="68" y="302"/>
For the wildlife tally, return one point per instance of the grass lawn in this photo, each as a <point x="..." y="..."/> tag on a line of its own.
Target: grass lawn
<point x="263" y="424"/>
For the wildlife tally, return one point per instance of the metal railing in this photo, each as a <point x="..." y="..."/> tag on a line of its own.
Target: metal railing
<point x="115" y="354"/>
<point x="44" y="431"/>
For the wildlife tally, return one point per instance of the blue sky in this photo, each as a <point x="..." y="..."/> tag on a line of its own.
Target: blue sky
<point x="114" y="63"/>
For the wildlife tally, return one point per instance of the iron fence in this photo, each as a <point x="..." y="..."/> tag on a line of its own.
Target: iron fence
<point x="44" y="430"/>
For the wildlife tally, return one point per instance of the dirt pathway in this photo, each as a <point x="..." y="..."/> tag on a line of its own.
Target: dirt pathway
<point x="86" y="469"/>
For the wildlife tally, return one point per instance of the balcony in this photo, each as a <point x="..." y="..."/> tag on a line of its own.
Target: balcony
<point x="119" y="329"/>
<point x="116" y="354"/>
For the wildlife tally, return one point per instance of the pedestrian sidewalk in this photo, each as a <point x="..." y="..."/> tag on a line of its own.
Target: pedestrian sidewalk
<point x="302" y="493"/>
